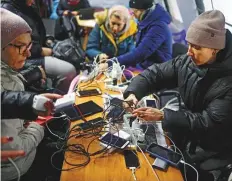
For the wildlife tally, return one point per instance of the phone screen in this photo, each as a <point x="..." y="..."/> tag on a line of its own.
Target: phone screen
<point x="164" y="153"/>
<point x="90" y="92"/>
<point x="131" y="158"/>
<point x="151" y="103"/>
<point x="114" y="141"/>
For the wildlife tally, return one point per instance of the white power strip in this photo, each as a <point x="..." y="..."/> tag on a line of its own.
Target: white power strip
<point x="66" y="100"/>
<point x="116" y="88"/>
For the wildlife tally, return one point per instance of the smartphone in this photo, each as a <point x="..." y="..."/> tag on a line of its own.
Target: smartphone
<point x="114" y="140"/>
<point x="131" y="159"/>
<point x="90" y="92"/>
<point x="91" y="124"/>
<point x="160" y="164"/>
<point x="87" y="109"/>
<point x="165" y="154"/>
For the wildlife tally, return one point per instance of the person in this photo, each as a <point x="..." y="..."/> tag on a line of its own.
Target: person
<point x="113" y="34"/>
<point x="15" y="31"/>
<point x="72" y="6"/>
<point x="204" y="79"/>
<point x="153" y="40"/>
<point x="60" y="71"/>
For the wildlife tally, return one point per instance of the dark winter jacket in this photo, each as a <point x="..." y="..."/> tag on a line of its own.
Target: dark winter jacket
<point x="31" y="16"/>
<point x="153" y="40"/>
<point x="17" y="104"/>
<point x="206" y="91"/>
<point x="63" y="5"/>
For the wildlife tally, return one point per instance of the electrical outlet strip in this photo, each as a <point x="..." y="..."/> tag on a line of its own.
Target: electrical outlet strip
<point x="116" y="88"/>
<point x="66" y="100"/>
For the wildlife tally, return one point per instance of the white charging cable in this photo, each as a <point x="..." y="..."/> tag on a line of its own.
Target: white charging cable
<point x="16" y="167"/>
<point x="185" y="163"/>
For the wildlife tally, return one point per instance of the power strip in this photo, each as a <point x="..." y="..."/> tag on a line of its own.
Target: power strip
<point x="66" y="100"/>
<point x="116" y="88"/>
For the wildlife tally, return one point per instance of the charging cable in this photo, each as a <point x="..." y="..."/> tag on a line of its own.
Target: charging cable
<point x="17" y="169"/>
<point x="185" y="163"/>
<point x="133" y="172"/>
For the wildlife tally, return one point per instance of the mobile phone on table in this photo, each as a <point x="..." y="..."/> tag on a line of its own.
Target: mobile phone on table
<point x="90" y="92"/>
<point x="131" y="159"/>
<point x="165" y="154"/>
<point x="113" y="140"/>
<point x="160" y="164"/>
<point x="91" y="124"/>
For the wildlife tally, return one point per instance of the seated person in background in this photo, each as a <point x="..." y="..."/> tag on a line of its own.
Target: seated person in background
<point x="66" y="6"/>
<point x="61" y="71"/>
<point x="113" y="34"/>
<point x="15" y="31"/>
<point x="204" y="79"/>
<point x="154" y="39"/>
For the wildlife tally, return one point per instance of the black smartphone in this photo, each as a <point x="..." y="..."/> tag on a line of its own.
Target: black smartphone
<point x="90" y="92"/>
<point x="165" y="154"/>
<point x="91" y="124"/>
<point x="87" y="109"/>
<point x="114" y="140"/>
<point x="131" y="159"/>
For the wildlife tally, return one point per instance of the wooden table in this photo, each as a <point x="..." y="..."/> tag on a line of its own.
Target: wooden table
<point x="110" y="167"/>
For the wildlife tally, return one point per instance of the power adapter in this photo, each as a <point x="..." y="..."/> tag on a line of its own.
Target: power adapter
<point x="65" y="101"/>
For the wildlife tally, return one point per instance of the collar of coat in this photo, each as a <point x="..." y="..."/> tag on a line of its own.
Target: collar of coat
<point x="101" y="19"/>
<point x="7" y="68"/>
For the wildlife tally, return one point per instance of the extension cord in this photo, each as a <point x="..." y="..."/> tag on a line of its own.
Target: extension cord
<point x="116" y="88"/>
<point x="66" y="100"/>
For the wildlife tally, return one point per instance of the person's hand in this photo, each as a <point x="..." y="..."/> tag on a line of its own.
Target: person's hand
<point x="46" y="51"/>
<point x="44" y="77"/>
<point x="149" y="114"/>
<point x="103" y="57"/>
<point x="9" y="153"/>
<point x="130" y="102"/>
<point x="74" y="13"/>
<point x="52" y="96"/>
<point x="66" y="12"/>
<point x="103" y="67"/>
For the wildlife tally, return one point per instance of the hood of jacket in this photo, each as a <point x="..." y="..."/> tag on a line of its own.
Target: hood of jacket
<point x="156" y="13"/>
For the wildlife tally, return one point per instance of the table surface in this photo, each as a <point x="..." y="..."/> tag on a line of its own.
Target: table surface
<point x="109" y="167"/>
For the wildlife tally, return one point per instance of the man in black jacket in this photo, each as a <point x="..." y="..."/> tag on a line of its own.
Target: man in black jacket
<point x="204" y="79"/>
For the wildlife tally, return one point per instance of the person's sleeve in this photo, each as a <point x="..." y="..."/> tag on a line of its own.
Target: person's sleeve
<point x="29" y="138"/>
<point x="211" y="120"/>
<point x="17" y="104"/>
<point x="155" y="78"/>
<point x="36" y="49"/>
<point x="152" y="40"/>
<point x="93" y="45"/>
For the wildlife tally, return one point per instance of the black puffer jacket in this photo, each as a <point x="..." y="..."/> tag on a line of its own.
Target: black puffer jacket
<point x="17" y="104"/>
<point x="206" y="92"/>
<point x="31" y="16"/>
<point x="63" y="5"/>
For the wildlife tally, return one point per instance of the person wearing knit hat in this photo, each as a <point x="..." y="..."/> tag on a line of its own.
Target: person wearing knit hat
<point x="16" y="103"/>
<point x="153" y="40"/>
<point x="113" y="34"/>
<point x="203" y="77"/>
<point x="206" y="33"/>
<point x="15" y="36"/>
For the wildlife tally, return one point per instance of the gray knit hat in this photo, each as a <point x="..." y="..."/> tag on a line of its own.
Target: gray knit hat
<point x="208" y="30"/>
<point x="11" y="27"/>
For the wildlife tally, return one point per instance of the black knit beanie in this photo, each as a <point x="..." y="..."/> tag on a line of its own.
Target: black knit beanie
<point x="141" y="4"/>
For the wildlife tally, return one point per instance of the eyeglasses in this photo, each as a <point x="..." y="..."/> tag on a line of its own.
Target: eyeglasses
<point x="22" y="48"/>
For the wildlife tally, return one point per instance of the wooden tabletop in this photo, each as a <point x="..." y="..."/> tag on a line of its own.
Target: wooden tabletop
<point x="109" y="167"/>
